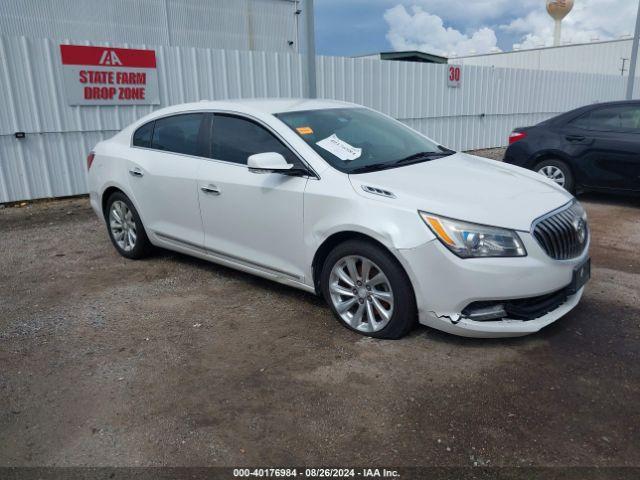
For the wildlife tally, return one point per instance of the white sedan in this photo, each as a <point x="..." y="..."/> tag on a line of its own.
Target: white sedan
<point x="337" y="199"/>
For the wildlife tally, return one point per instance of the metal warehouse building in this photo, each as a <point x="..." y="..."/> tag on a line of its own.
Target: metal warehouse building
<point x="607" y="58"/>
<point x="74" y="73"/>
<point x="221" y="24"/>
<point x="197" y="49"/>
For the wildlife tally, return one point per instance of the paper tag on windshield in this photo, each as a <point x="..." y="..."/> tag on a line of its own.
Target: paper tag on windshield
<point x="340" y="148"/>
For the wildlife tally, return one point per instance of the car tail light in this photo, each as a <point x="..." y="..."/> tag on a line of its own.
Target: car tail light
<point x="90" y="158"/>
<point x="515" y="136"/>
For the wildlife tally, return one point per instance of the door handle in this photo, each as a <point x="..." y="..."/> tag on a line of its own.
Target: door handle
<point x="211" y="189"/>
<point x="575" y="138"/>
<point x="136" y="172"/>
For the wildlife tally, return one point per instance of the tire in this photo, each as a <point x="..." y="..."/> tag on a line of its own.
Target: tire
<point x="342" y="290"/>
<point x="560" y="170"/>
<point x="117" y="205"/>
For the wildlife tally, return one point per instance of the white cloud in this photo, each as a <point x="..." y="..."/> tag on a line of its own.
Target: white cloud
<point x="475" y="11"/>
<point x="420" y="24"/>
<point x="589" y="20"/>
<point x="420" y="30"/>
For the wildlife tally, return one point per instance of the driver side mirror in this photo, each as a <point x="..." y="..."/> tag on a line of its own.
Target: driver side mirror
<point x="268" y="162"/>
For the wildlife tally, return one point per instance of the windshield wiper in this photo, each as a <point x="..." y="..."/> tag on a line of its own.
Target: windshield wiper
<point x="411" y="159"/>
<point x="369" y="168"/>
<point x="446" y="150"/>
<point x="421" y="157"/>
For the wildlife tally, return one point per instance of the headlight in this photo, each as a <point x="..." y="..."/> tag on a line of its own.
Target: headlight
<point x="469" y="240"/>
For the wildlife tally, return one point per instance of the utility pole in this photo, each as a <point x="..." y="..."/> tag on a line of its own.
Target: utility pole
<point x="311" y="49"/>
<point x="634" y="58"/>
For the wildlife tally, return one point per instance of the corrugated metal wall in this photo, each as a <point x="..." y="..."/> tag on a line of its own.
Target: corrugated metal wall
<point x="599" y="58"/>
<point x="222" y="24"/>
<point x="480" y="114"/>
<point x="50" y="160"/>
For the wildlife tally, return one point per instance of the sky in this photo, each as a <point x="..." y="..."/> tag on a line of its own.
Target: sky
<point x="461" y="27"/>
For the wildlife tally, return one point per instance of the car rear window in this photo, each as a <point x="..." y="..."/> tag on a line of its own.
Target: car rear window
<point x="179" y="133"/>
<point x="623" y="118"/>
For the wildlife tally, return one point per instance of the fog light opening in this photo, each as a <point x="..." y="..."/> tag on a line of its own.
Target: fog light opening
<point x="485" y="313"/>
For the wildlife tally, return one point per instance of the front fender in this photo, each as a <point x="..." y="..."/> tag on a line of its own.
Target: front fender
<point x="333" y="207"/>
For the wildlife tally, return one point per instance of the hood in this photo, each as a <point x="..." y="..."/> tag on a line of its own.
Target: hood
<point x="469" y="188"/>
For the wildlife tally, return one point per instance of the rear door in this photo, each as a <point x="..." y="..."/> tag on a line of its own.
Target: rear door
<point x="607" y="141"/>
<point x="162" y="175"/>
<point x="251" y="218"/>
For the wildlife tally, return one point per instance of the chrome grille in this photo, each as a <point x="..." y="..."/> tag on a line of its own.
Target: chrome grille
<point x="563" y="234"/>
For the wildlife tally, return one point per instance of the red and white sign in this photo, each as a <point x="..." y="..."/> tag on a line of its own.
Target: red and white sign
<point x="454" y="76"/>
<point x="109" y="76"/>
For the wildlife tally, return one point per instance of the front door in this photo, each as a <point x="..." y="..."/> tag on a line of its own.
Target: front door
<point x="254" y="219"/>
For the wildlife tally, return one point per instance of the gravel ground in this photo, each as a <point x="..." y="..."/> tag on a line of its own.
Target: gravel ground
<point x="492" y="153"/>
<point x="175" y="361"/>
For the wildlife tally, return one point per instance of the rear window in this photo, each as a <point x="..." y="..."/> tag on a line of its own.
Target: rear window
<point x="623" y="118"/>
<point x="142" y="136"/>
<point x="179" y="133"/>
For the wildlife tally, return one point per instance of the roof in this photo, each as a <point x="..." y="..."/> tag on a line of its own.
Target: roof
<point x="250" y="106"/>
<point x="550" y="47"/>
<point x="579" y="110"/>
<point x="410" y="56"/>
<point x="253" y="105"/>
<point x="281" y="105"/>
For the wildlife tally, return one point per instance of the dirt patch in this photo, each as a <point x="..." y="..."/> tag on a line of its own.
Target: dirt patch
<point x="175" y="361"/>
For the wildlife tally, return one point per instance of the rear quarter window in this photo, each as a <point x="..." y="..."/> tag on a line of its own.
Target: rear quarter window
<point x="142" y="136"/>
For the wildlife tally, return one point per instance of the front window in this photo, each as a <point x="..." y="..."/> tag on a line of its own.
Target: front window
<point x="235" y="139"/>
<point x="358" y="140"/>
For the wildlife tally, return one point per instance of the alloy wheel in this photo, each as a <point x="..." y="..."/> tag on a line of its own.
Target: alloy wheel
<point x="554" y="173"/>
<point x="122" y="225"/>
<point x="361" y="293"/>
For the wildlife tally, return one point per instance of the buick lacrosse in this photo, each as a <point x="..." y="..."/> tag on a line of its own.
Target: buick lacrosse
<point x="337" y="199"/>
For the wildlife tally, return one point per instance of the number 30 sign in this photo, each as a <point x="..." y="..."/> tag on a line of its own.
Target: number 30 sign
<point x="454" y="76"/>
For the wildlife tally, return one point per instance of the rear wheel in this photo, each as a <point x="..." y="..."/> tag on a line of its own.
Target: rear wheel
<point x="558" y="171"/>
<point x="125" y="227"/>
<point x="368" y="290"/>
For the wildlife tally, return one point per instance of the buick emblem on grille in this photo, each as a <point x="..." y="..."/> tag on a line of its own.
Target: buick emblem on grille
<point x="563" y="234"/>
<point x="581" y="229"/>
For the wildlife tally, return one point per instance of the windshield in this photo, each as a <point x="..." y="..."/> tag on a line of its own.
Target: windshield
<point x="358" y="140"/>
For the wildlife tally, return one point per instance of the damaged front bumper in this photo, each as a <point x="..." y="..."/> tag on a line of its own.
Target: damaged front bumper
<point x="446" y="286"/>
<point x="459" y="325"/>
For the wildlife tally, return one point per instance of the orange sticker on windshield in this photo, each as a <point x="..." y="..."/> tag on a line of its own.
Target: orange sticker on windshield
<point x="304" y="130"/>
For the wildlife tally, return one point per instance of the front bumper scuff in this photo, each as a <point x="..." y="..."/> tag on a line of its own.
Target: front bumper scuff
<point x="445" y="284"/>
<point x="452" y="317"/>
<point x="506" y="327"/>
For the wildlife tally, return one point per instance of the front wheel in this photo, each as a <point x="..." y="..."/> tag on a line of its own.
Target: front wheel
<point x="368" y="290"/>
